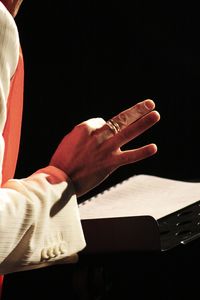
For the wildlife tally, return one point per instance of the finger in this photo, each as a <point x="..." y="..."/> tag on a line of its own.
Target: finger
<point x="133" y="130"/>
<point x="130" y="115"/>
<point x="132" y="156"/>
<point x="125" y="118"/>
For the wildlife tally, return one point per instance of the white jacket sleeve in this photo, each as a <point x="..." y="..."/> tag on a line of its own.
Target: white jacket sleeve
<point x="39" y="217"/>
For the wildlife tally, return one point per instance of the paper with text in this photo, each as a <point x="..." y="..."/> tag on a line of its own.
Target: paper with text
<point x="141" y="195"/>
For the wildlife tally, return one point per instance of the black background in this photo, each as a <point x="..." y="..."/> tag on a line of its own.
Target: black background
<point x="88" y="59"/>
<point x="94" y="58"/>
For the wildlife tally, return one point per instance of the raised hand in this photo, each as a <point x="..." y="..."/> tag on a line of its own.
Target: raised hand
<point x="92" y="150"/>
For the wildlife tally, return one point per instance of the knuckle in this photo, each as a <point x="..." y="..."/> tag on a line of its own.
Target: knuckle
<point x="82" y="130"/>
<point x="95" y="123"/>
<point x="82" y="126"/>
<point x="122" y="119"/>
<point x="139" y="108"/>
<point x="91" y="126"/>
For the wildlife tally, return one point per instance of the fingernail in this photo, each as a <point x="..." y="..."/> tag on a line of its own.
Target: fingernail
<point x="149" y="104"/>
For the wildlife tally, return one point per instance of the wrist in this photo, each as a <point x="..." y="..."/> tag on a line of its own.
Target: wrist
<point x="55" y="175"/>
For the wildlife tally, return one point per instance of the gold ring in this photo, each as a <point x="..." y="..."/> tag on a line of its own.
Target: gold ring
<point x="113" y="125"/>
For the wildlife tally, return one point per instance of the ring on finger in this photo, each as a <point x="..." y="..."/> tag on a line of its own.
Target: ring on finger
<point x="114" y="126"/>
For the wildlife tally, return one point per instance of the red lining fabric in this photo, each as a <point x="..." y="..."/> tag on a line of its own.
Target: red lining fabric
<point x="12" y="129"/>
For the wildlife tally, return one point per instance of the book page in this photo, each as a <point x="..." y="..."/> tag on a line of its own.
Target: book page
<point x="141" y="195"/>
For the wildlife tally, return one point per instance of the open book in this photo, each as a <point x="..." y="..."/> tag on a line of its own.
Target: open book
<point x="141" y="195"/>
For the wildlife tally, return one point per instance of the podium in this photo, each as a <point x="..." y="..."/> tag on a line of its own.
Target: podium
<point x="142" y="213"/>
<point x="142" y="256"/>
<point x="160" y="266"/>
<point x="142" y="233"/>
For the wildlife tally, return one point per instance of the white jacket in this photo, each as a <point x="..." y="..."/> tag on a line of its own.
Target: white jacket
<point x="39" y="220"/>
